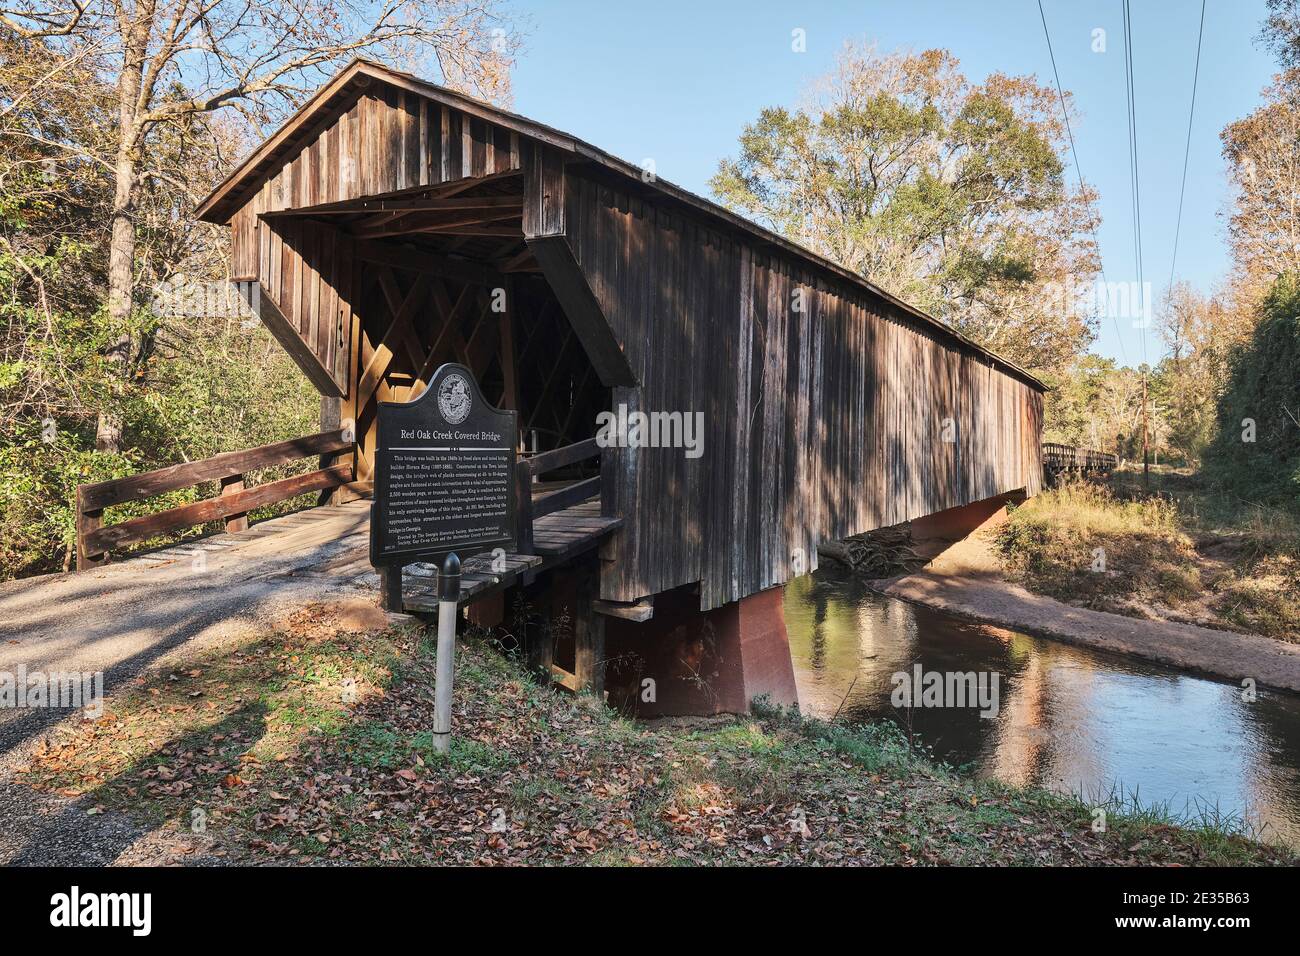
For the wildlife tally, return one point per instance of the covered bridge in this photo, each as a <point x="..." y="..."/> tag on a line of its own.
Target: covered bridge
<point x="392" y="225"/>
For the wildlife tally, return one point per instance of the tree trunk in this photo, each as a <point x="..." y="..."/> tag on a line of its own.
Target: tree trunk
<point x="121" y="243"/>
<point x="121" y="269"/>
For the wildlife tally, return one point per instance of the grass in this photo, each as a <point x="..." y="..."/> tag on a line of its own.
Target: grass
<point x="288" y="768"/>
<point x="1177" y="551"/>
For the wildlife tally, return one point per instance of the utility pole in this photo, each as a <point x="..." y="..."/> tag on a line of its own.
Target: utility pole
<point x="1146" y="464"/>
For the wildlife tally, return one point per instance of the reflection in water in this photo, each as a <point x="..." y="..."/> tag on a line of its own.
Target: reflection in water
<point x="1073" y="720"/>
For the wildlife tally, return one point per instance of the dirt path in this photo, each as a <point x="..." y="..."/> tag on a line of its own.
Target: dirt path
<point x="150" y="612"/>
<point x="966" y="581"/>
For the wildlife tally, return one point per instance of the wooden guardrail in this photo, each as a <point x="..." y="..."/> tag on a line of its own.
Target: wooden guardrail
<point x="1061" y="458"/>
<point x="529" y="468"/>
<point x="95" y="541"/>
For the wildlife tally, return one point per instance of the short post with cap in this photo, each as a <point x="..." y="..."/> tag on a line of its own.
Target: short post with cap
<point x="448" y="605"/>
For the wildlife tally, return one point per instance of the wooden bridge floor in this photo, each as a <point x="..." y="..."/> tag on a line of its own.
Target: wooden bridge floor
<point x="557" y="539"/>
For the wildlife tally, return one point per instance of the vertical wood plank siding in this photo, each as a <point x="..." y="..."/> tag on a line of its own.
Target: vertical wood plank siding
<point x="817" y="424"/>
<point x="389" y="140"/>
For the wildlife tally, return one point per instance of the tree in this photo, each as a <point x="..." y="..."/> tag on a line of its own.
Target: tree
<point x="1074" y="412"/>
<point x="171" y="64"/>
<point x="50" y="205"/>
<point x="946" y="193"/>
<point x="1256" y="452"/>
<point x="203" y="385"/>
<point x="1097" y="404"/>
<point x="1281" y="32"/>
<point x="1198" y="332"/>
<point x="1253" y="338"/>
<point x="1263" y="154"/>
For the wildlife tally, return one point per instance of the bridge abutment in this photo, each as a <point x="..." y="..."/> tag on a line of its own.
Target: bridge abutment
<point x="687" y="662"/>
<point x="953" y="524"/>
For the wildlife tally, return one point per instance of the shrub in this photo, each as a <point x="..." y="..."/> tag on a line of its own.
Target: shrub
<point x="1263" y="389"/>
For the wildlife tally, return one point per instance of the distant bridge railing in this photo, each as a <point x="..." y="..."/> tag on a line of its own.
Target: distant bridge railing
<point x="1059" y="459"/>
<point x="95" y="540"/>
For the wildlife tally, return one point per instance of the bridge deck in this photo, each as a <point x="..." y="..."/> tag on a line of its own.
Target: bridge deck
<point x="557" y="538"/>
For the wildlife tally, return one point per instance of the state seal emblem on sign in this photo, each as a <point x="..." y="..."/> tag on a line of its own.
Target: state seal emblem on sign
<point x="453" y="398"/>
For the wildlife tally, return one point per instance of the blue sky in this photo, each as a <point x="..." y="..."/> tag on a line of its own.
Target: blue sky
<point x="677" y="81"/>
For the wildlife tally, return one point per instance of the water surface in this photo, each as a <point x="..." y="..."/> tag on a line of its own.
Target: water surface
<point x="1070" y="719"/>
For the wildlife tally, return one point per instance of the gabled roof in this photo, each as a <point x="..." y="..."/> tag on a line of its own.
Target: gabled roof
<point x="338" y="95"/>
<point x="349" y="84"/>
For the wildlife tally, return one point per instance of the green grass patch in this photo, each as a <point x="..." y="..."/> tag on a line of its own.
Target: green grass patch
<point x="1176" y="548"/>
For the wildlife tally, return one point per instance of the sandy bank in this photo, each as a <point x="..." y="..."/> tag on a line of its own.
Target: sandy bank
<point x="965" y="581"/>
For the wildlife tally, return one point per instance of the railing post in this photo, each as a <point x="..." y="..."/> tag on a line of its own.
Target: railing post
<point x="229" y="486"/>
<point x="390" y="588"/>
<point x="524" y="500"/>
<point x="87" y="522"/>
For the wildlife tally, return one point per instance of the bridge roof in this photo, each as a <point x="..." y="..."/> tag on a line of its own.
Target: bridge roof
<point x="350" y="83"/>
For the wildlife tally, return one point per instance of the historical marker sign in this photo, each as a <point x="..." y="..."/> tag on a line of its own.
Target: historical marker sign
<point x="444" y="473"/>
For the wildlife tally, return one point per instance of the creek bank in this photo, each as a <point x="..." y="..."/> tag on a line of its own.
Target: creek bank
<point x="967" y="582"/>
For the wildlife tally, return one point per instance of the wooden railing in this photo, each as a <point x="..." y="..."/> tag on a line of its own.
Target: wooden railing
<point x="95" y="541"/>
<point x="1061" y="458"/>
<point x="529" y="468"/>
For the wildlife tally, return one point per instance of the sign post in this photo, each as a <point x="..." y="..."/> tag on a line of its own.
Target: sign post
<point x="445" y="666"/>
<point x="444" y="487"/>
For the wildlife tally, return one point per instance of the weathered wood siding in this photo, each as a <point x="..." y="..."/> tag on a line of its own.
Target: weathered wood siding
<point x="386" y="141"/>
<point x="818" y="423"/>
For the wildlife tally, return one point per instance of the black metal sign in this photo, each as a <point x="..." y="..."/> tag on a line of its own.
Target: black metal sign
<point x="444" y="473"/>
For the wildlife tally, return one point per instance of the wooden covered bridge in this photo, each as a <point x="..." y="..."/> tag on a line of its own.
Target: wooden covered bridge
<point x="393" y="225"/>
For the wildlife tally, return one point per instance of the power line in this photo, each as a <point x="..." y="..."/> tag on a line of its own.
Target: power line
<point x="1187" y="150"/>
<point x="1078" y="170"/>
<point x="1134" y="167"/>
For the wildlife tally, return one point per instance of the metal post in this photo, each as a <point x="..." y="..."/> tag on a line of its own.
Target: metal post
<point x="448" y="603"/>
<point x="390" y="588"/>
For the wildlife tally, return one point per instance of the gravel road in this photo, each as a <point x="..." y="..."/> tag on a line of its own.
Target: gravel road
<point x="149" y="612"/>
